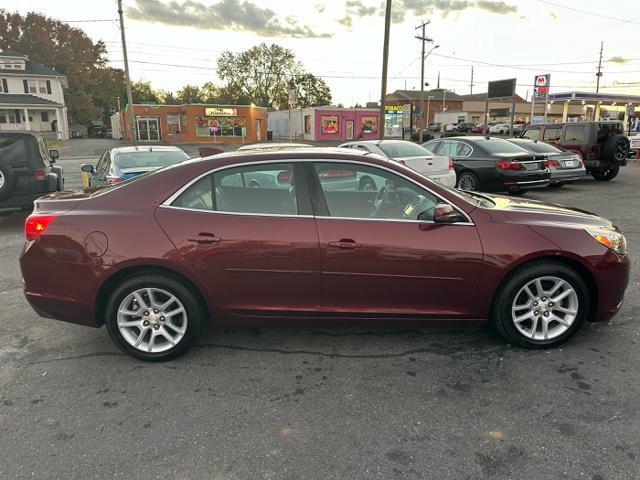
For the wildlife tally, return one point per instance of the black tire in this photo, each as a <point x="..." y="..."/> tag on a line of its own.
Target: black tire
<point x="606" y="174"/>
<point x="500" y="315"/>
<point x="174" y="286"/>
<point x="7" y="179"/>
<point x="468" y="181"/>
<point x="367" y="183"/>
<point x="616" y="149"/>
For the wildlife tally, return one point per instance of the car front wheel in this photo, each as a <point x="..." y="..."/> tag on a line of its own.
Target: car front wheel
<point x="153" y="317"/>
<point x="541" y="305"/>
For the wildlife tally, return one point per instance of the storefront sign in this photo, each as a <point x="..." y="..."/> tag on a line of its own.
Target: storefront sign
<point x="394" y="108"/>
<point x="220" y="112"/>
<point x="541" y="86"/>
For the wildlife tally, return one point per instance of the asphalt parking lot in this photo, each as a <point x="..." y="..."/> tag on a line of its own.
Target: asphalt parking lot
<point x="437" y="402"/>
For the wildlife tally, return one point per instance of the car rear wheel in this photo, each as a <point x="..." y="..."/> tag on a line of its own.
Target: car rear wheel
<point x="153" y="317"/>
<point x="606" y="174"/>
<point x="7" y="180"/>
<point x="468" y="181"/>
<point x="541" y="305"/>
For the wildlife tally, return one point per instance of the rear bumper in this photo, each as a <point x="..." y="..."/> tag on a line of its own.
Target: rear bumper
<point x="567" y="175"/>
<point x="448" y="179"/>
<point x="612" y="277"/>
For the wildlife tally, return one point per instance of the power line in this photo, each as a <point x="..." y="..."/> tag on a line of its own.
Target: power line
<point x="91" y="20"/>
<point x="593" y="14"/>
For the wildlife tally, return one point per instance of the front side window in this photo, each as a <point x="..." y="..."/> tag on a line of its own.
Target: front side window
<point x="260" y="189"/>
<point x="552" y="134"/>
<point x="364" y="192"/>
<point x="531" y="133"/>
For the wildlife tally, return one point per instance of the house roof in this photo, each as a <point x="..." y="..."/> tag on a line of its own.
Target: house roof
<point x="437" y="94"/>
<point x="24" y="99"/>
<point x="31" y="67"/>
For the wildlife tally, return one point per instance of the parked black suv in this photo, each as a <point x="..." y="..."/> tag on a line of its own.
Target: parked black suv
<point x="27" y="170"/>
<point x="602" y="145"/>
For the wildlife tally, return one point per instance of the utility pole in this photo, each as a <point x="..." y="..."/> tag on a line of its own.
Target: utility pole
<point x="127" y="78"/>
<point x="471" y="79"/>
<point x="385" y="61"/>
<point x="596" y="114"/>
<point x="423" y="40"/>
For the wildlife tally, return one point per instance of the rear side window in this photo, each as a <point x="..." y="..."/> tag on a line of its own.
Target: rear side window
<point x="258" y="189"/>
<point x="463" y="150"/>
<point x="447" y="148"/>
<point x="532" y="133"/>
<point x="552" y="134"/>
<point x="13" y="150"/>
<point x="575" y="134"/>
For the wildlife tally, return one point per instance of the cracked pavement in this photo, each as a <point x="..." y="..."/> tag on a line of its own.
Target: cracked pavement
<point x="444" y="401"/>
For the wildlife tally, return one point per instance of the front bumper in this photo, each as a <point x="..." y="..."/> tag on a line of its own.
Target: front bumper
<point x="612" y="277"/>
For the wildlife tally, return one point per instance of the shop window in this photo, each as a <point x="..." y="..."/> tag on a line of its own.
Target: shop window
<point x="221" y="126"/>
<point x="307" y="124"/>
<point x="173" y="123"/>
<point x="369" y="125"/>
<point x="329" y="124"/>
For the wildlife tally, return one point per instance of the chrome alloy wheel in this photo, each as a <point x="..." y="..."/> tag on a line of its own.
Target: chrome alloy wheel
<point x="467" y="182"/>
<point x="152" y="320"/>
<point x="545" y="308"/>
<point x="2" y="179"/>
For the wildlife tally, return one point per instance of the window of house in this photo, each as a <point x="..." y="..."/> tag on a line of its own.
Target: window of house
<point x="307" y="124"/>
<point x="3" y="86"/>
<point x="37" y="86"/>
<point x="3" y="116"/>
<point x="12" y="117"/>
<point x="44" y="116"/>
<point x="259" y="189"/>
<point x="173" y="123"/>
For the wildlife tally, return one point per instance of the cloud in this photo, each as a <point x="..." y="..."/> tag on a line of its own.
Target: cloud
<point x="618" y="59"/>
<point x="320" y="8"/>
<point x="359" y="9"/>
<point x="241" y="15"/>
<point x="346" y="21"/>
<point x="553" y="16"/>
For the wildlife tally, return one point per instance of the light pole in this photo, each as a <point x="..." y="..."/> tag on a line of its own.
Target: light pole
<point x="422" y="84"/>
<point x="428" y="108"/>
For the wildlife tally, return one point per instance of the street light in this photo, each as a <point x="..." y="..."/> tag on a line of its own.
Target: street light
<point x="422" y="93"/>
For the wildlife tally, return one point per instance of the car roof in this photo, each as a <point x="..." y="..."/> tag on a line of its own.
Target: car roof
<point x="273" y="146"/>
<point x="145" y="148"/>
<point x="375" y="142"/>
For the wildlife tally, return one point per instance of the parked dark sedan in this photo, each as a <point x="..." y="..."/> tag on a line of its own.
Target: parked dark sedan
<point x="154" y="257"/>
<point x="492" y="164"/>
<point x="565" y="166"/>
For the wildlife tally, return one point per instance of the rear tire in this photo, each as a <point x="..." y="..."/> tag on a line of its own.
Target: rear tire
<point x="515" y="320"/>
<point x="606" y="174"/>
<point x="166" y="334"/>
<point x="616" y="149"/>
<point x="7" y="180"/>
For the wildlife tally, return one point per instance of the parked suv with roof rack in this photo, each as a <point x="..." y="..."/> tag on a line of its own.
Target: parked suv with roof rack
<point x="27" y="170"/>
<point x="602" y="145"/>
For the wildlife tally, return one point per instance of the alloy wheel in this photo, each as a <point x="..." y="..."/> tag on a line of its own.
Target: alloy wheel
<point x="545" y="308"/>
<point x="2" y="179"/>
<point x="467" y="182"/>
<point x="152" y="320"/>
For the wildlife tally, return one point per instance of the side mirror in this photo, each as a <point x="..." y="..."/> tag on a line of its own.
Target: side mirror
<point x="54" y="155"/>
<point x="445" y="213"/>
<point x="87" y="168"/>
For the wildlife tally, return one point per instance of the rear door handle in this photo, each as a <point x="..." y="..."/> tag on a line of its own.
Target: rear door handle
<point x="345" y="243"/>
<point x="204" y="238"/>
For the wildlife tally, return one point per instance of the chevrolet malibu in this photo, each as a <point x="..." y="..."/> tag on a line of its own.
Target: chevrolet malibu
<point x="155" y="257"/>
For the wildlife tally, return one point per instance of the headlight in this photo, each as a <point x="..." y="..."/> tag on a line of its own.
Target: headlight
<point x="610" y="238"/>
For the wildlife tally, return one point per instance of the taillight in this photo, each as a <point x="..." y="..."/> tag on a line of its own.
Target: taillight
<point x="35" y="224"/>
<point x="552" y="163"/>
<point x="507" y="165"/>
<point x="39" y="174"/>
<point x="112" y="180"/>
<point x="450" y="164"/>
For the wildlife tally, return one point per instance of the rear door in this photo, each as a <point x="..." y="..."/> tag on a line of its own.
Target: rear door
<point x="379" y="259"/>
<point x="249" y="234"/>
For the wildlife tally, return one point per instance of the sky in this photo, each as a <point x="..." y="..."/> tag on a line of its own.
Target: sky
<point x="174" y="42"/>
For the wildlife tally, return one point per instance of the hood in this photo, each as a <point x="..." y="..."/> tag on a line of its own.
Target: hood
<point x="534" y="212"/>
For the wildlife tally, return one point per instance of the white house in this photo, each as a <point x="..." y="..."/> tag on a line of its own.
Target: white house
<point x="32" y="97"/>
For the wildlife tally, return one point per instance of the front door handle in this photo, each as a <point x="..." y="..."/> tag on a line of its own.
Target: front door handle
<point x="345" y="243"/>
<point x="204" y="238"/>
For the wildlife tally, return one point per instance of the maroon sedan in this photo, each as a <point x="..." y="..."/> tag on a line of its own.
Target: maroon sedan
<point x="291" y="234"/>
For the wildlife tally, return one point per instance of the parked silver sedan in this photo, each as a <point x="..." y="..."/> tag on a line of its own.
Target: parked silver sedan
<point x="565" y="166"/>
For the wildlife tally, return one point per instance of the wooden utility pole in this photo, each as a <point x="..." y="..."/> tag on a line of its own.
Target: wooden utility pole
<point x="385" y="61"/>
<point x="127" y="78"/>
<point x="471" y="80"/>
<point x="423" y="40"/>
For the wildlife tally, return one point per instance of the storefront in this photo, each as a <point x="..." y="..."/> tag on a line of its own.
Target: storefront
<point x="393" y="120"/>
<point x="195" y="123"/>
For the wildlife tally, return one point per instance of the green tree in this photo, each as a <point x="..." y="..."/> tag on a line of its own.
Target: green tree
<point x="190" y="94"/>
<point x="263" y="75"/>
<point x="61" y="47"/>
<point x="143" y="92"/>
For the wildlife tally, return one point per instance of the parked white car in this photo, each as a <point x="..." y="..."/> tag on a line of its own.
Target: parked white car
<point x="500" y="128"/>
<point x="422" y="160"/>
<point x="451" y="127"/>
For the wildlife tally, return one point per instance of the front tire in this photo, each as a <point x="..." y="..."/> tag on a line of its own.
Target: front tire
<point x="153" y="317"/>
<point x="541" y="305"/>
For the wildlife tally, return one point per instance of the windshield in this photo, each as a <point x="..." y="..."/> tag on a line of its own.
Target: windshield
<point x="497" y="145"/>
<point x="149" y="158"/>
<point x="538" y="147"/>
<point x="403" y="149"/>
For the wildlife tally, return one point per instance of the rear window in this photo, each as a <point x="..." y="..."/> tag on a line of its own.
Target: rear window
<point x="149" y="159"/>
<point x="403" y="149"/>
<point x="539" y="147"/>
<point x="498" y="145"/>
<point x="14" y="150"/>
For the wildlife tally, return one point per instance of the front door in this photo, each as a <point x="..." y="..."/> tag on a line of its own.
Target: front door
<point x="249" y="234"/>
<point x="148" y="129"/>
<point x="378" y="257"/>
<point x="349" y="132"/>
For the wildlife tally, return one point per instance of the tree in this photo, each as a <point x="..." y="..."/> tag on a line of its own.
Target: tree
<point x="66" y="49"/>
<point x="263" y="75"/>
<point x="190" y="94"/>
<point x="143" y="92"/>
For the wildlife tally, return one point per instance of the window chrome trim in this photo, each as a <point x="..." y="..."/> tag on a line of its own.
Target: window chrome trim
<point x="203" y="210"/>
<point x="167" y="203"/>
